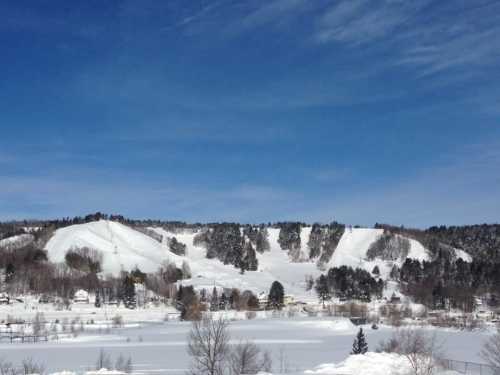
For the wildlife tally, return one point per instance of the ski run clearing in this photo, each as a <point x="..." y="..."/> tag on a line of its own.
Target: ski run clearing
<point x="124" y="248"/>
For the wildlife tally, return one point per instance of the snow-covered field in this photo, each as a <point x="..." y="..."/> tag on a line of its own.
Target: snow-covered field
<point x="161" y="347"/>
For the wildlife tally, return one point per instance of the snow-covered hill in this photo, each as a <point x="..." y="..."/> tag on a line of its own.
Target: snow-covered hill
<point x="16" y="242"/>
<point x="273" y="265"/>
<point x="352" y="248"/>
<point x="123" y="248"/>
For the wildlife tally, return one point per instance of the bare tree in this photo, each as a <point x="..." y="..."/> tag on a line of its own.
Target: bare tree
<point x="247" y="358"/>
<point x="124" y="365"/>
<point x="422" y="350"/>
<point x="7" y="368"/>
<point x="208" y="346"/>
<point x="490" y="351"/>
<point x="103" y="360"/>
<point x="29" y="366"/>
<point x="283" y="362"/>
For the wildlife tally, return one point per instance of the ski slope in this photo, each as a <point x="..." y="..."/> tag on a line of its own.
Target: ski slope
<point x="124" y="248"/>
<point x="354" y="244"/>
<point x="273" y="265"/>
<point x="16" y="242"/>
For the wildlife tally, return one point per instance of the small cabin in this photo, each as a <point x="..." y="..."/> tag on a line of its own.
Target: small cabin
<point x="288" y="300"/>
<point x="81" y="296"/>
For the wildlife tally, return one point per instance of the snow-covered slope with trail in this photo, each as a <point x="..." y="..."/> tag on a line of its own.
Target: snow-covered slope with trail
<point x="354" y="244"/>
<point x="16" y="242"/>
<point x="122" y="247"/>
<point x="273" y="265"/>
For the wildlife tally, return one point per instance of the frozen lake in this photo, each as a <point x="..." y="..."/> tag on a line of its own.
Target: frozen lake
<point x="161" y="347"/>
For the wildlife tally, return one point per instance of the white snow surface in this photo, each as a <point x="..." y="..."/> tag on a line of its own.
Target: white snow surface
<point x="16" y="241"/>
<point x="370" y="364"/>
<point x="462" y="254"/>
<point x="354" y="244"/>
<point x="123" y="248"/>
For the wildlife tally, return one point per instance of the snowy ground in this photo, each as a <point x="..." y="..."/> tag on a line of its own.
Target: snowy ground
<point x="161" y="347"/>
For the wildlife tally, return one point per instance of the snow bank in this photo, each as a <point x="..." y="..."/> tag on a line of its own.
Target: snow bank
<point x="370" y="364"/>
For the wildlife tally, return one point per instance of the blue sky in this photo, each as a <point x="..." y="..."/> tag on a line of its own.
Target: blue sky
<point x="360" y="111"/>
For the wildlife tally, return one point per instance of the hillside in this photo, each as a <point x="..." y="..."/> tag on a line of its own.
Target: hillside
<point x="124" y="248"/>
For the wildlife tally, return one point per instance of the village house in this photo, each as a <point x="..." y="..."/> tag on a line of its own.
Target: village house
<point x="81" y="296"/>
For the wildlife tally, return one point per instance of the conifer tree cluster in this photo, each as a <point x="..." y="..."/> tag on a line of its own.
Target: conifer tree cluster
<point x="323" y="241"/>
<point x="226" y="243"/>
<point x="348" y="283"/>
<point x="453" y="283"/>
<point x="289" y="239"/>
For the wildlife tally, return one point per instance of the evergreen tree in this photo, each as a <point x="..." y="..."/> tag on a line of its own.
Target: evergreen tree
<point x="223" y="302"/>
<point x="214" y="301"/>
<point x="376" y="271"/>
<point x="394" y="275"/>
<point x="276" y="297"/>
<point x="360" y="346"/>
<point x="10" y="272"/>
<point x="129" y="292"/>
<point x="322" y="289"/>
<point x="97" y="302"/>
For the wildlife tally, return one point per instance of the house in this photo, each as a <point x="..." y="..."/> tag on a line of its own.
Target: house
<point x="263" y="299"/>
<point x="288" y="300"/>
<point x="395" y="298"/>
<point x="4" y="299"/>
<point x="81" y="296"/>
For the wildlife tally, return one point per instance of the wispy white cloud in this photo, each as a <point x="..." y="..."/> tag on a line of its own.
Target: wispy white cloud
<point x="274" y="11"/>
<point x="458" y="50"/>
<point x="462" y="188"/>
<point x="361" y="21"/>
